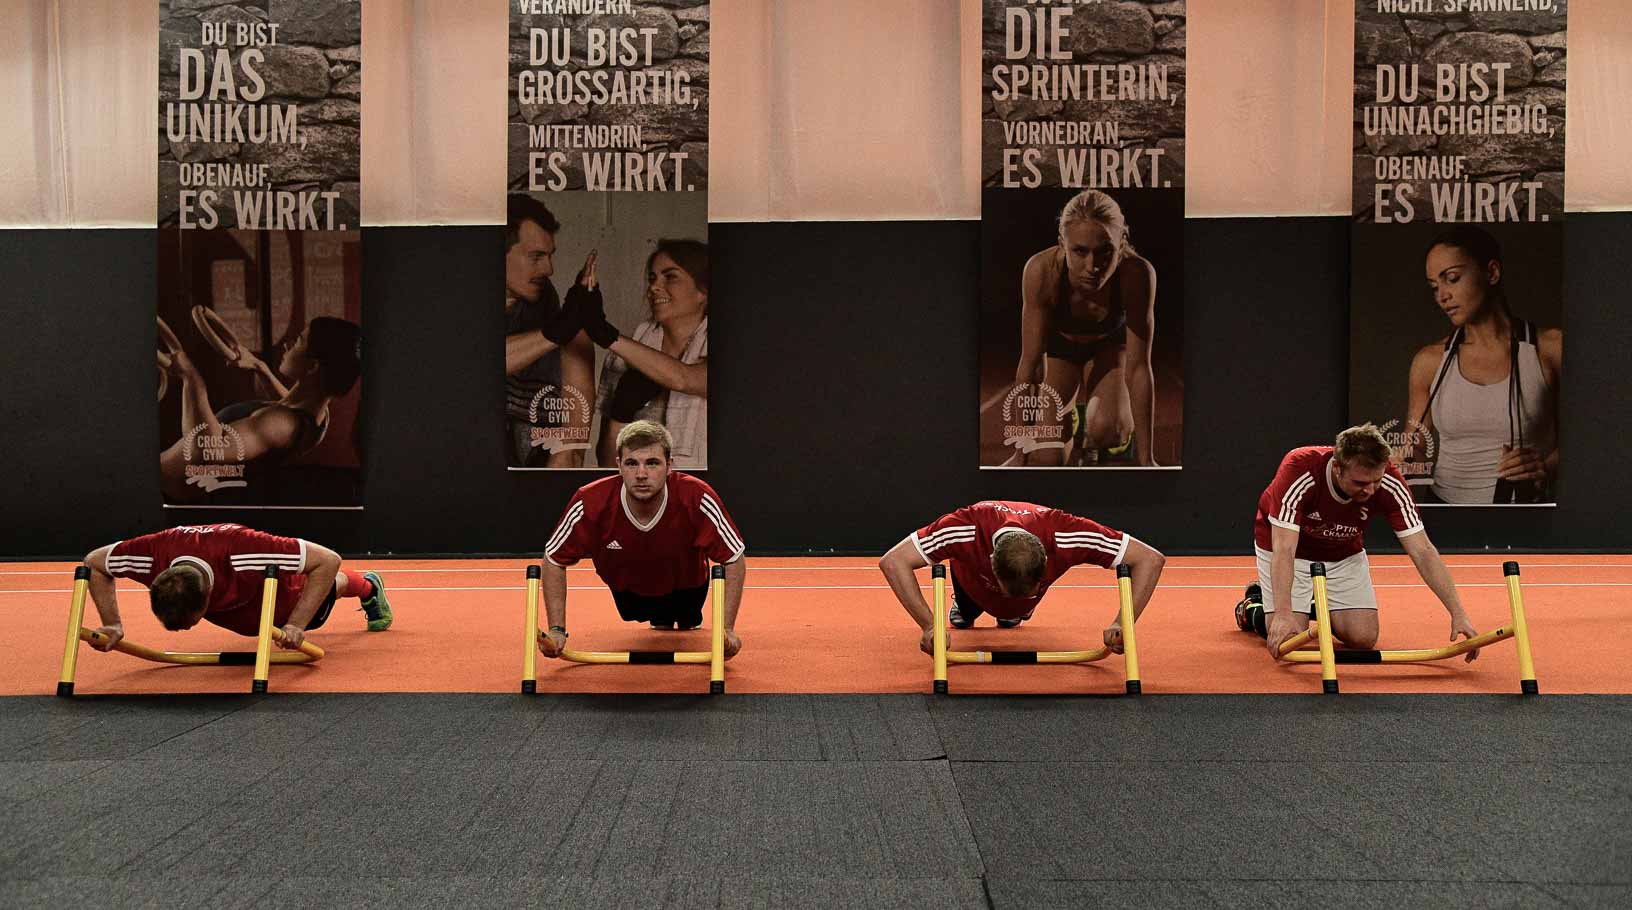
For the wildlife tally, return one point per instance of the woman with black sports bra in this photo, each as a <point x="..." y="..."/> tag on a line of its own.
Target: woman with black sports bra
<point x="1086" y="321"/>
<point x="323" y="364"/>
<point x="1490" y="389"/>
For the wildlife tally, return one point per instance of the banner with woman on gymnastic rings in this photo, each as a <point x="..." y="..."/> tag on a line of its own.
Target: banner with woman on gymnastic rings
<point x="1457" y="278"/>
<point x="1082" y="234"/>
<point x="260" y="305"/>
<point x="605" y="258"/>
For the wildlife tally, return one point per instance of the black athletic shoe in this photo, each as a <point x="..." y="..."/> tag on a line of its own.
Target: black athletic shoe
<point x="1245" y="620"/>
<point x="955" y="616"/>
<point x="1011" y="623"/>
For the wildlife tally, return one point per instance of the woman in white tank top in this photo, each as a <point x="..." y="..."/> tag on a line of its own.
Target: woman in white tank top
<point x="1489" y="391"/>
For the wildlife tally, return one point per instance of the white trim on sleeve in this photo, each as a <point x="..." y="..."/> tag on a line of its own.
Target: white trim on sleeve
<point x="1122" y="551"/>
<point x="1282" y="524"/>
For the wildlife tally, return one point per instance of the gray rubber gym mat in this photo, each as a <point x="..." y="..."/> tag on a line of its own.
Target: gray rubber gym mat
<point x="816" y="801"/>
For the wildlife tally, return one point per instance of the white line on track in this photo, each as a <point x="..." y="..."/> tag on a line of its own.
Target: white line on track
<point x="1107" y="587"/>
<point x="385" y="567"/>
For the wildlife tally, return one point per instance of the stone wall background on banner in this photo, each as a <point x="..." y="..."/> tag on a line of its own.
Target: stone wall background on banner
<point x="259" y="278"/>
<point x="1456" y="345"/>
<point x="1082" y="225"/>
<point x="607" y="179"/>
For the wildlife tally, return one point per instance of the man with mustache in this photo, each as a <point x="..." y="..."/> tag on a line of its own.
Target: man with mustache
<point x="651" y="532"/>
<point x="1315" y="510"/>
<point x="548" y="362"/>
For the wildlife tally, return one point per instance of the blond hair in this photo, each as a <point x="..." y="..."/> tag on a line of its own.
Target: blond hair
<point x="1093" y="205"/>
<point x="1018" y="560"/>
<point x="1363" y="445"/>
<point x="643" y="433"/>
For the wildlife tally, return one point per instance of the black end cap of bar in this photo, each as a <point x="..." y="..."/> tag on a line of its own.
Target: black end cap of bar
<point x="529" y="687"/>
<point x="717" y="572"/>
<point x="1124" y="571"/>
<point x="271" y="571"/>
<point x="938" y="570"/>
<point x="1526" y="687"/>
<point x="81" y="573"/>
<point x="1134" y="687"/>
<point x="535" y="571"/>
<point x="1317" y="568"/>
<point x="1328" y="686"/>
<point x="258" y="687"/>
<point x="940" y="687"/>
<point x="1510" y="568"/>
<point x="237" y="658"/>
<point x="716" y="687"/>
<point x="66" y="690"/>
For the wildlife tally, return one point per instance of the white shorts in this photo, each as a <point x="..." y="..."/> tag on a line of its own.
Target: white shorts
<point x="1348" y="584"/>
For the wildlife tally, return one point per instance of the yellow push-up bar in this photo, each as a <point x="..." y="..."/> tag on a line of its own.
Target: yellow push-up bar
<point x="262" y="657"/>
<point x="944" y="656"/>
<point x="1329" y="657"/>
<point x="714" y="657"/>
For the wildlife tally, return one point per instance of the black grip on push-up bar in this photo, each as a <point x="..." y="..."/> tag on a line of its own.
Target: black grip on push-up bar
<point x="1357" y="657"/>
<point x="1317" y="569"/>
<point x="271" y="571"/>
<point x="717" y="572"/>
<point x="237" y="658"/>
<point x="535" y="571"/>
<point x="81" y="573"/>
<point x="1124" y="571"/>
<point x="1328" y="687"/>
<point x="1510" y="568"/>
<point x="938" y="571"/>
<point x="651" y="657"/>
<point x="1014" y="657"/>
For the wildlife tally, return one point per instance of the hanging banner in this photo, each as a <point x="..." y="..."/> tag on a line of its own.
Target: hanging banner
<point x="606" y="268"/>
<point x="260" y="303"/>
<point x="1457" y="288"/>
<point x="1082" y="233"/>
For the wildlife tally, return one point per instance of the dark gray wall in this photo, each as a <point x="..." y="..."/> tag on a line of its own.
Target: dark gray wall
<point x="843" y="397"/>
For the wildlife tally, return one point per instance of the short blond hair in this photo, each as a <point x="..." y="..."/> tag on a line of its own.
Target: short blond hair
<point x="1018" y="560"/>
<point x="643" y="433"/>
<point x="1362" y="445"/>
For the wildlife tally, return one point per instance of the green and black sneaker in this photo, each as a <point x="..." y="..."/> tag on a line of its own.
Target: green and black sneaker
<point x="377" y="608"/>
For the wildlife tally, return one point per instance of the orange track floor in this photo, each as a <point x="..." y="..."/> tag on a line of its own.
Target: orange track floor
<point x="831" y="625"/>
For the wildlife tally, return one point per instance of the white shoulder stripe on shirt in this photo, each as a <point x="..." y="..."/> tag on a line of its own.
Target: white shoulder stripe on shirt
<point x="717" y="515"/>
<point x="947" y="537"/>
<point x="564" y="529"/>
<point x="953" y="531"/>
<point x="1294" y="496"/>
<point x="1402" y="496"/>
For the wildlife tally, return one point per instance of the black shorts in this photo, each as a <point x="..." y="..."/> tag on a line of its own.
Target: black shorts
<point x="967" y="606"/>
<point x="323" y="611"/>
<point x="682" y="606"/>
<point x="1080" y="352"/>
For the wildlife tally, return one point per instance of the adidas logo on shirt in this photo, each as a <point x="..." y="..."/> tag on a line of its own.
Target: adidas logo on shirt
<point x="1316" y="516"/>
<point x="614" y="545"/>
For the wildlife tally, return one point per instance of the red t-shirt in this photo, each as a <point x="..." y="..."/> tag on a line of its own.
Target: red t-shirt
<point x="233" y="559"/>
<point x="1303" y="497"/>
<point x="670" y="552"/>
<point x="964" y="538"/>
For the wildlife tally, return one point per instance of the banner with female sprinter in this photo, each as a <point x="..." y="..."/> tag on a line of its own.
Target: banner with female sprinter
<point x="1456" y="297"/>
<point x="606" y="230"/>
<point x="1082" y="233"/>
<point x="259" y="313"/>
